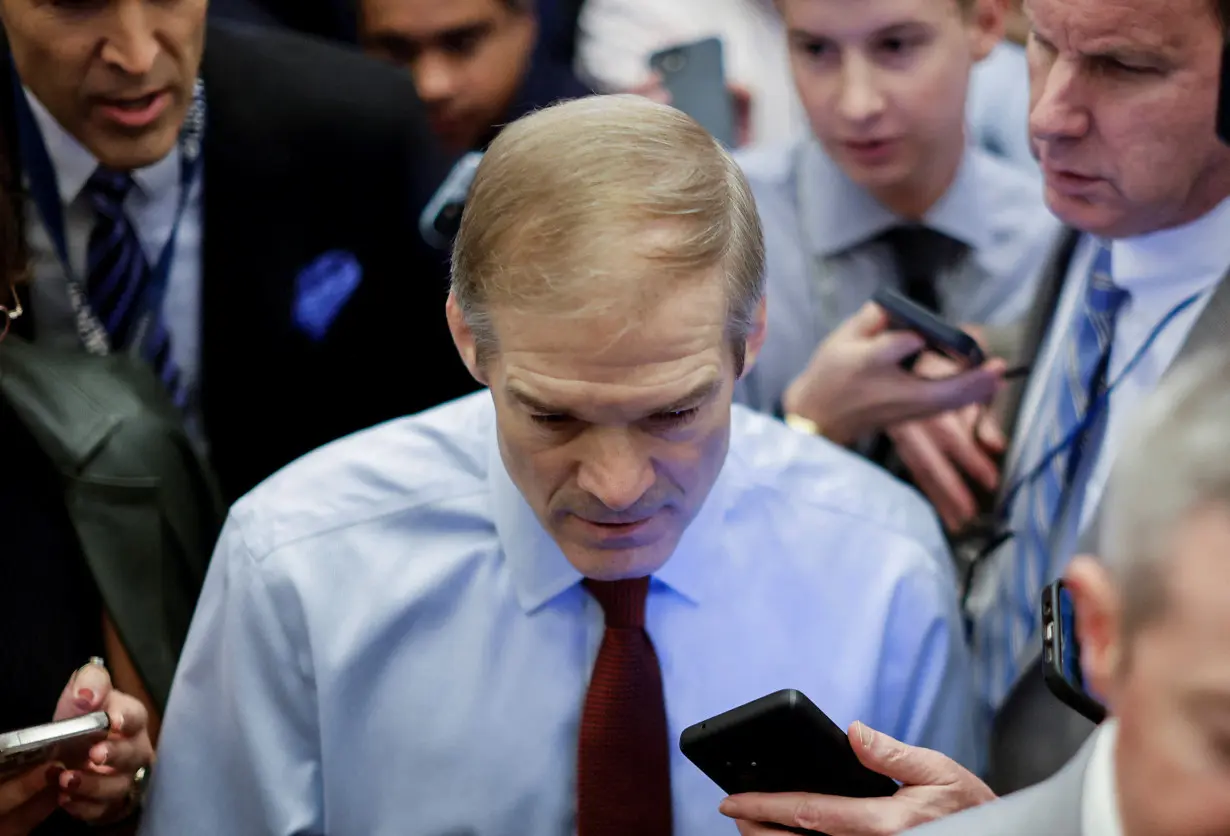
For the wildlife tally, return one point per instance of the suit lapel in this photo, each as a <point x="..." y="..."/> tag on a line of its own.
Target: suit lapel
<point x="1038" y="322"/>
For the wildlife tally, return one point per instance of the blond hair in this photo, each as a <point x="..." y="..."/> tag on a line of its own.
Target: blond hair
<point x="599" y="191"/>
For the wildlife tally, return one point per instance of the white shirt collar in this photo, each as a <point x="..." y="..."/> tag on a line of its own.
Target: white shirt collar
<point x="842" y="214"/>
<point x="74" y="164"/>
<point x="1185" y="259"/>
<point x="1100" y="799"/>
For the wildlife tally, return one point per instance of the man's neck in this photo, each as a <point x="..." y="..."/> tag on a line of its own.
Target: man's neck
<point x="914" y="197"/>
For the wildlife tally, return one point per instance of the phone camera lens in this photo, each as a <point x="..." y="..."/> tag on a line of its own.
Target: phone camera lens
<point x="673" y="62"/>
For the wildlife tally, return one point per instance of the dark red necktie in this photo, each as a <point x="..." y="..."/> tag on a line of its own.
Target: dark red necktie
<point x="623" y="764"/>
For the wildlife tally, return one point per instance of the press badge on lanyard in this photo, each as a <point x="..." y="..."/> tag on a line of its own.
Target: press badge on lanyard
<point x="44" y="188"/>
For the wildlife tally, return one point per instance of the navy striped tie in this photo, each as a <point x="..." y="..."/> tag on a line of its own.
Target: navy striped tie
<point x="118" y="274"/>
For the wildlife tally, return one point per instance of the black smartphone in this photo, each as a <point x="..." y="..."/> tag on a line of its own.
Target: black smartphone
<point x="1061" y="654"/>
<point x="904" y="314"/>
<point x="441" y="217"/>
<point x="780" y="743"/>
<point x="695" y="76"/>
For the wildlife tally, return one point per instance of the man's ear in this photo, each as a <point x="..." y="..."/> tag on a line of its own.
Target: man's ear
<point x="755" y="337"/>
<point x="1098" y="609"/>
<point x="463" y="338"/>
<point x="986" y="21"/>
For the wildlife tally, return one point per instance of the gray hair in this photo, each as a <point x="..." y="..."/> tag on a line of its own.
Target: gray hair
<point x="1175" y="461"/>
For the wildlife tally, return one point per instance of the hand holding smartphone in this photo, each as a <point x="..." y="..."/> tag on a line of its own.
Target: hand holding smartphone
<point x="941" y="337"/>
<point x="780" y="743"/>
<point x="64" y="741"/>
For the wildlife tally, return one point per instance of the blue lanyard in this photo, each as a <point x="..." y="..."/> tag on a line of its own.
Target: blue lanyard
<point x="1095" y="407"/>
<point x="44" y="188"/>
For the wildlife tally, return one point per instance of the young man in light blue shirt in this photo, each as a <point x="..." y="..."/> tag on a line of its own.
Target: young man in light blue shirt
<point x="497" y="617"/>
<point x="890" y="190"/>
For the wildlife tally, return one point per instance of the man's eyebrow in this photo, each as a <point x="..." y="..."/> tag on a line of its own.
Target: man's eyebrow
<point x="697" y="395"/>
<point x="527" y="400"/>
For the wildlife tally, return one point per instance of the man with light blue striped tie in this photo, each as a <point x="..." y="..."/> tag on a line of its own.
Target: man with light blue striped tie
<point x="1073" y="417"/>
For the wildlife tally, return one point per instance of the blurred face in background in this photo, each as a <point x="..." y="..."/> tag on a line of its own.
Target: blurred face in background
<point x="1124" y="98"/>
<point x="614" y="426"/>
<point x="116" y="74"/>
<point x="1167" y="679"/>
<point x="884" y="85"/>
<point x="468" y="57"/>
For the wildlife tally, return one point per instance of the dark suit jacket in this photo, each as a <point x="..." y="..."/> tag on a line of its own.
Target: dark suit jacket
<point x="144" y="506"/>
<point x="331" y="19"/>
<point x="311" y="148"/>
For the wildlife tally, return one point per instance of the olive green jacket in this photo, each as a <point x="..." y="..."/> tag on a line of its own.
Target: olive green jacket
<point x="143" y="503"/>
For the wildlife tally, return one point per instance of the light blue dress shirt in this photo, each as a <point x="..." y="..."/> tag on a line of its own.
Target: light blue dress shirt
<point x="389" y="644"/>
<point x="997" y="106"/>
<point x="823" y="264"/>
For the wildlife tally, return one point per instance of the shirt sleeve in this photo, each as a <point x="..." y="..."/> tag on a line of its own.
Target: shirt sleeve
<point x="925" y="696"/>
<point x="239" y="752"/>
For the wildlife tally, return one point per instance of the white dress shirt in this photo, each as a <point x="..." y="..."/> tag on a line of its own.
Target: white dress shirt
<point x="151" y="207"/>
<point x="388" y="642"/>
<point x="1100" y="798"/>
<point x="1160" y="270"/>
<point x="616" y="37"/>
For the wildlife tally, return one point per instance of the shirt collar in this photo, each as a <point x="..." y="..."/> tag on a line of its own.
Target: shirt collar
<point x="1100" y="800"/>
<point x="1196" y="251"/>
<point x="842" y="214"/>
<point x="74" y="164"/>
<point x="539" y="569"/>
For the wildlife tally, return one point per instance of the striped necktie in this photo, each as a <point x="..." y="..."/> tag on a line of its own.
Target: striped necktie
<point x="1078" y="379"/>
<point x="623" y="758"/>
<point x="118" y="275"/>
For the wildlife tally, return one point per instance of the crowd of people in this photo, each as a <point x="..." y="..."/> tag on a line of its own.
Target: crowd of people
<point x="349" y="534"/>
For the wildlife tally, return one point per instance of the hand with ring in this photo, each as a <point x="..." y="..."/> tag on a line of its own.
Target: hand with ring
<point x="108" y="787"/>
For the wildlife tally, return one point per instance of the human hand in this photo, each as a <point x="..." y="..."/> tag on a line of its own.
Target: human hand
<point x="740" y="97"/>
<point x="104" y="788"/>
<point x="27" y="799"/>
<point x="939" y="449"/>
<point x="932" y="786"/>
<point x="854" y="382"/>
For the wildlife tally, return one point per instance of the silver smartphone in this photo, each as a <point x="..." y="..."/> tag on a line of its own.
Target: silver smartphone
<point x="65" y="741"/>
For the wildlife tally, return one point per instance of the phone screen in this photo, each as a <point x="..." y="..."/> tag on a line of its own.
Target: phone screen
<point x="1069" y="645"/>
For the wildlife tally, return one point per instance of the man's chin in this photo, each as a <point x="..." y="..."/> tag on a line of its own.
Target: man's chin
<point x="618" y="562"/>
<point x="129" y="153"/>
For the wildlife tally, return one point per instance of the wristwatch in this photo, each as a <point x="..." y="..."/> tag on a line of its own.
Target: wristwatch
<point x="801" y="424"/>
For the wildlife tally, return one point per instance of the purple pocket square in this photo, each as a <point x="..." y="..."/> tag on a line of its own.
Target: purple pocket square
<point x="322" y="290"/>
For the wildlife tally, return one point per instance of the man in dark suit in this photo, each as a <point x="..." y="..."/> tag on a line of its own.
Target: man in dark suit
<point x="239" y="208"/>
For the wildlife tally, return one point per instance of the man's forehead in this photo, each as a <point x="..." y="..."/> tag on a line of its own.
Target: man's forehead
<point x="426" y="17"/>
<point x="1107" y="25"/>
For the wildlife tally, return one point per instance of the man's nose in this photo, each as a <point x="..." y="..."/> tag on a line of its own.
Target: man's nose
<point x="861" y="98"/>
<point x="614" y="470"/>
<point x="131" y="44"/>
<point x="1058" y="112"/>
<point x="435" y="78"/>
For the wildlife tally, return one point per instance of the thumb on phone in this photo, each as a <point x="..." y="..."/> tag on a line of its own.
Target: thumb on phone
<point x="908" y="765"/>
